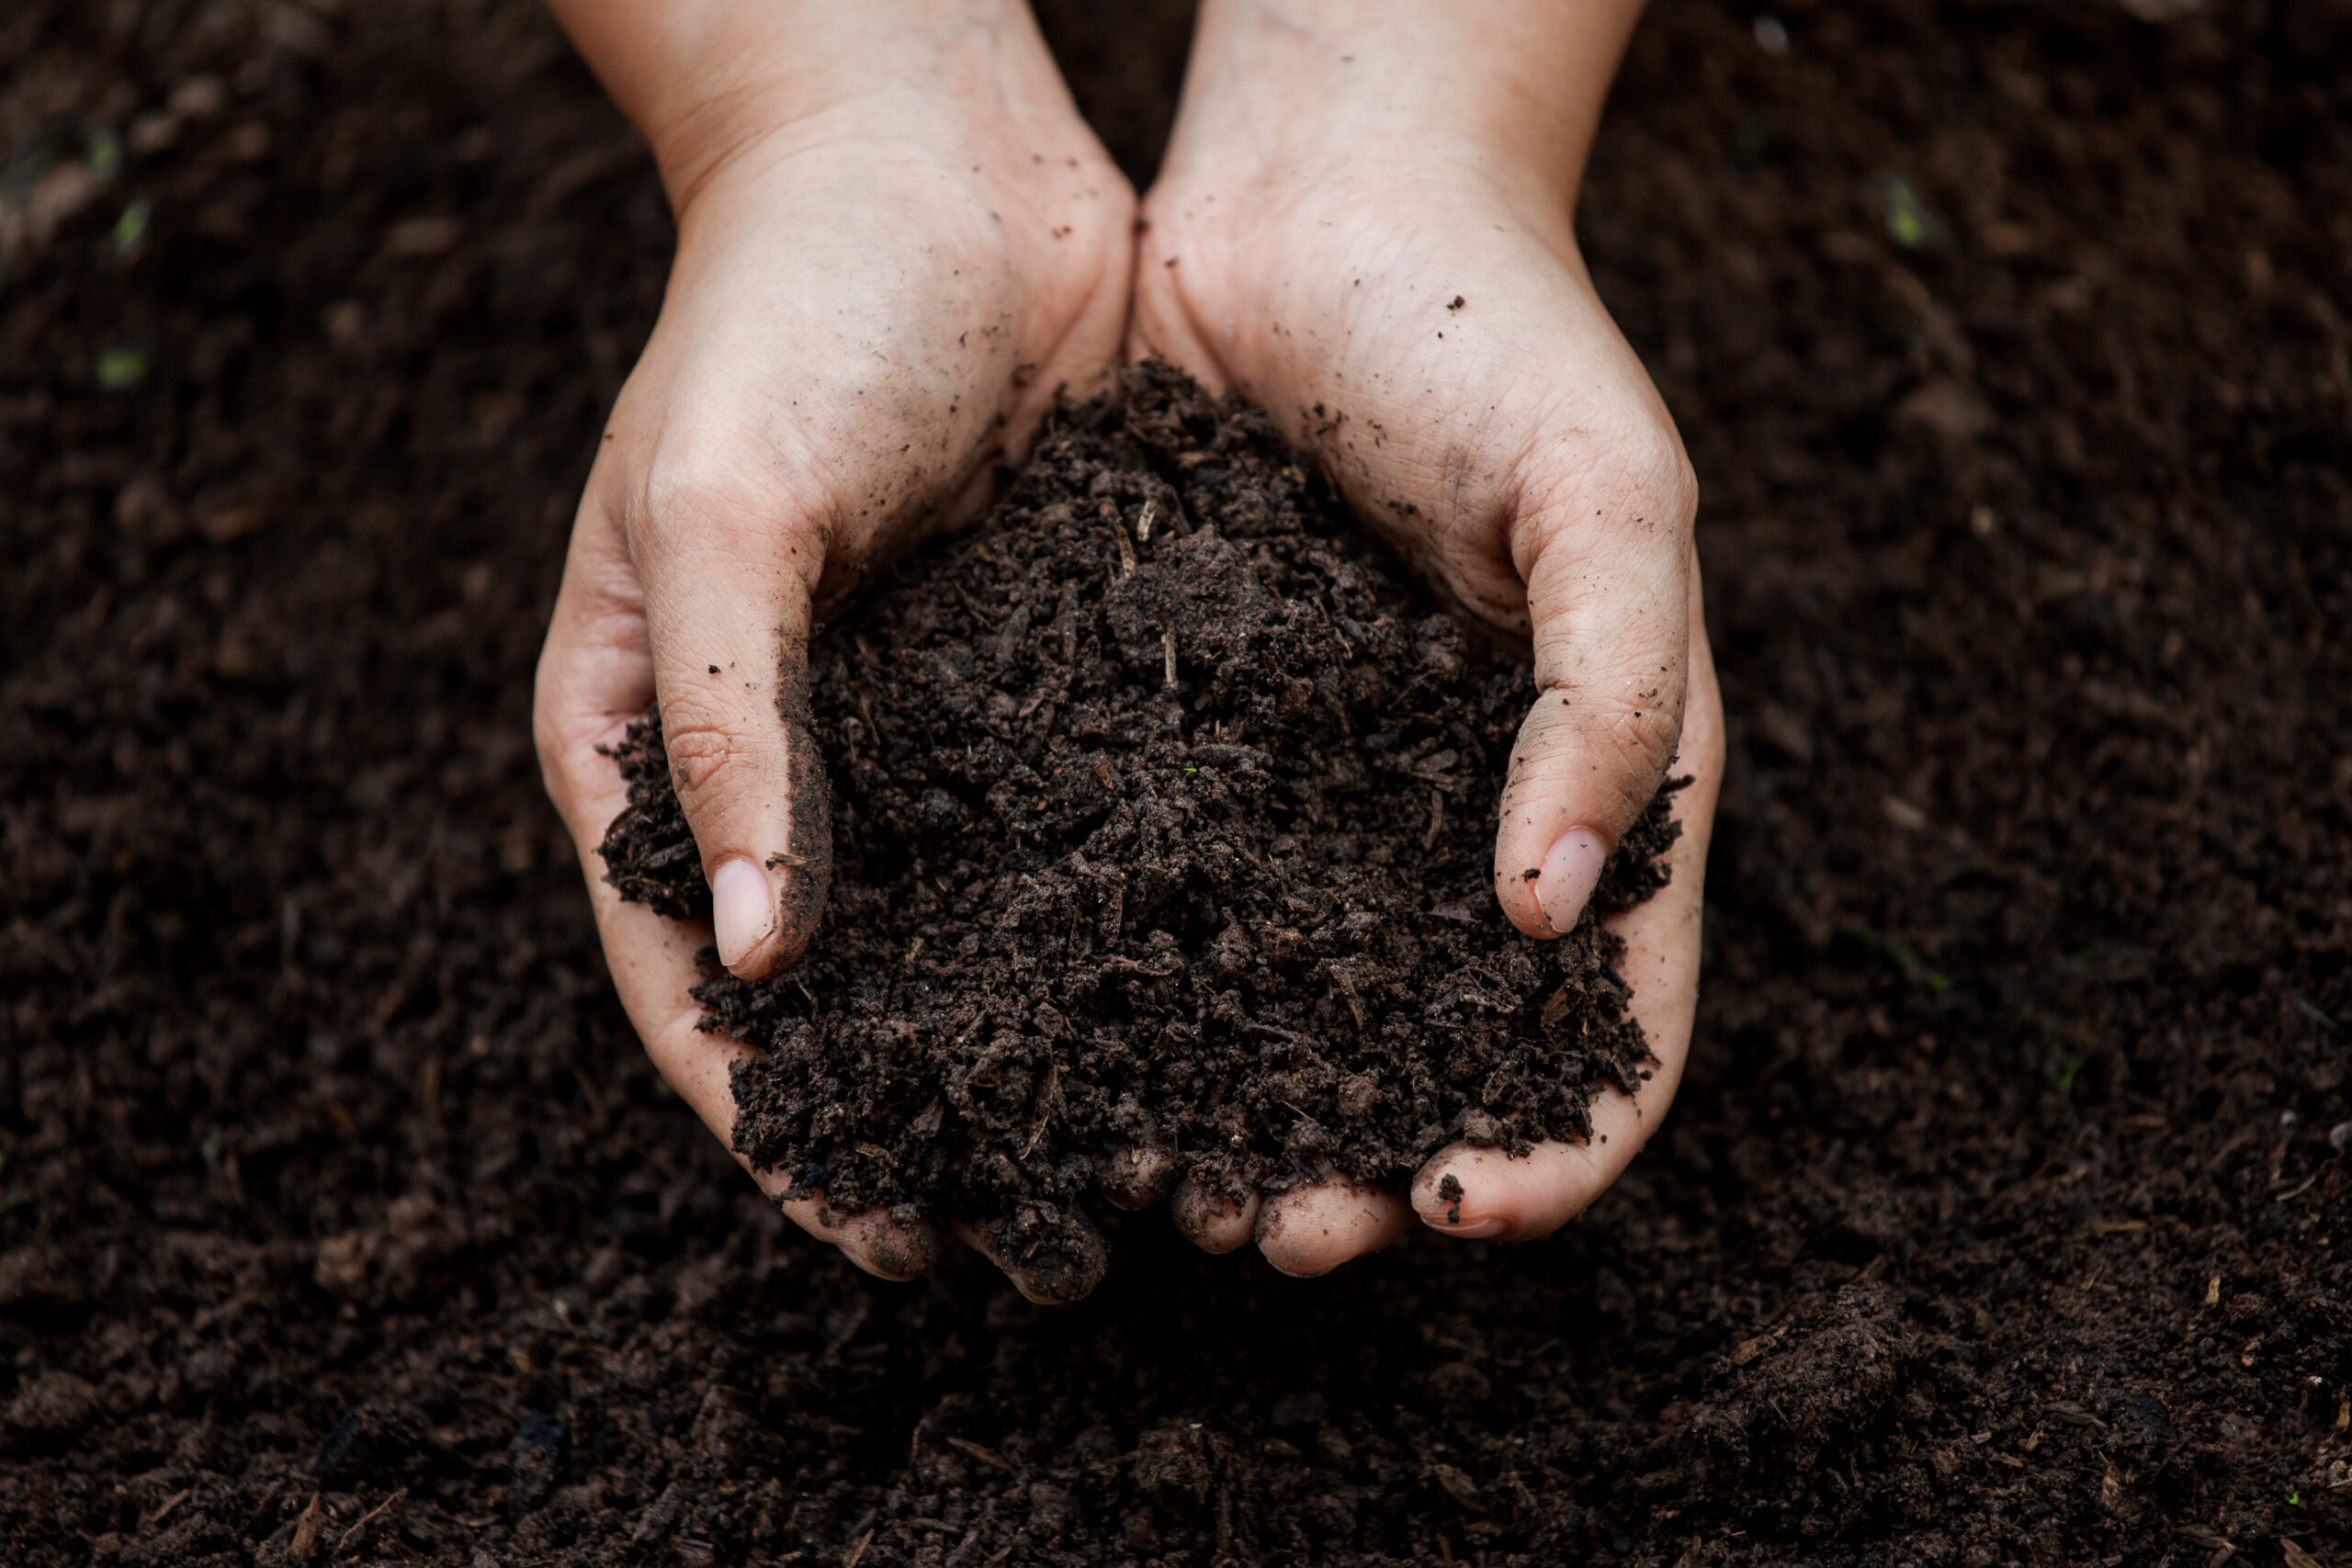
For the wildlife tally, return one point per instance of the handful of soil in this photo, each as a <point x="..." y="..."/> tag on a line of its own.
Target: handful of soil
<point x="1164" y="813"/>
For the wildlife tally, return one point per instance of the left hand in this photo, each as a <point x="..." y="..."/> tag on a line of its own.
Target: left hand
<point x="1346" y="232"/>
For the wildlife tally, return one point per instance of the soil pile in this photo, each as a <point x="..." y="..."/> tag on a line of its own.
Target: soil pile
<point x="1164" y="814"/>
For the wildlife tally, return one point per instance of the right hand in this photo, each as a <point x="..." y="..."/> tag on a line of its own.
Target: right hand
<point x="876" y="297"/>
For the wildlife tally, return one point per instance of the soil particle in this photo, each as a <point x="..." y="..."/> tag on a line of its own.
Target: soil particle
<point x="1165" y="817"/>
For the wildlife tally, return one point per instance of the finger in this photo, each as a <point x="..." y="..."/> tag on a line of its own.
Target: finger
<point x="653" y="965"/>
<point x="1312" y="1230"/>
<point x="1212" y="1223"/>
<point x="1607" y="563"/>
<point x="652" y="962"/>
<point x="700" y="1067"/>
<point x="728" y="572"/>
<point x="1495" y="1197"/>
<point x="1137" y="1175"/>
<point x="1469" y="1192"/>
<point x="1053" y="1260"/>
<point x="595" y="675"/>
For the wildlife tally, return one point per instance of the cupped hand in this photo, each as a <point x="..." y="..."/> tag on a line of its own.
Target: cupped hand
<point x="876" y="295"/>
<point x="1404" y="293"/>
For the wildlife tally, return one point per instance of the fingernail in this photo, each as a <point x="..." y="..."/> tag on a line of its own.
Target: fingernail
<point x="742" y="909"/>
<point x="1445" y="1216"/>
<point x="1570" y="869"/>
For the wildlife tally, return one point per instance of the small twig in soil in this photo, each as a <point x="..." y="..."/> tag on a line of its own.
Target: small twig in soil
<point x="169" y="1504"/>
<point x="1144" y="521"/>
<point x="1126" y="552"/>
<point x="1167" y="655"/>
<point x="1348" y="990"/>
<point x="306" y="1532"/>
<point x="859" y="1549"/>
<point x="1050" y="692"/>
<point x="979" y="1071"/>
<point x="1045" y="1107"/>
<point x="365" y="1520"/>
<point x="981" y="1452"/>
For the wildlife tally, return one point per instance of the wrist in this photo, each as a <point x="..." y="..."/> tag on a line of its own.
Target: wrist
<point x="703" y="81"/>
<point x="1294" y="89"/>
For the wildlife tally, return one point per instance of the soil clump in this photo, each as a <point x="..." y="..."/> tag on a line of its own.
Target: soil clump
<point x="1164" y="814"/>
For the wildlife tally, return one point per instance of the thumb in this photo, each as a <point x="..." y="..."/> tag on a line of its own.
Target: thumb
<point x="728" y="586"/>
<point x="1608" y="574"/>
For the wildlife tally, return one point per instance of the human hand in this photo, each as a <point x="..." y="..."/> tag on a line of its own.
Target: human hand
<point x="1364" y="224"/>
<point x="896" y="241"/>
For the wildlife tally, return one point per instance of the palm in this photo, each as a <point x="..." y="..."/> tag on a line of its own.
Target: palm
<point x="1440" y="351"/>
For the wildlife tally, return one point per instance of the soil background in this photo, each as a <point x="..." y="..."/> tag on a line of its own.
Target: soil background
<point x="2000" y="1219"/>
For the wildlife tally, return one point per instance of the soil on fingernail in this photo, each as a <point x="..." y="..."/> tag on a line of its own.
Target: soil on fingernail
<point x="1165" y="808"/>
<point x="1449" y="1193"/>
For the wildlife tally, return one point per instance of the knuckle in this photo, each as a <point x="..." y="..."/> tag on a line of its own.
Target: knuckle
<point x="692" y="480"/>
<point x="1614" y="752"/>
<point x="1637" y="740"/>
<point x="697" y="755"/>
<point x="714" y="756"/>
<point x="699" y="488"/>
<point x="1658" y="470"/>
<point x="1637" y="750"/>
<point x="1654" y="494"/>
<point x="1637" y="477"/>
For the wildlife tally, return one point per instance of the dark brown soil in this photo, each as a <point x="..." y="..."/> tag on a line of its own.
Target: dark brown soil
<point x="2000" y="1218"/>
<point x="1164" y="815"/>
